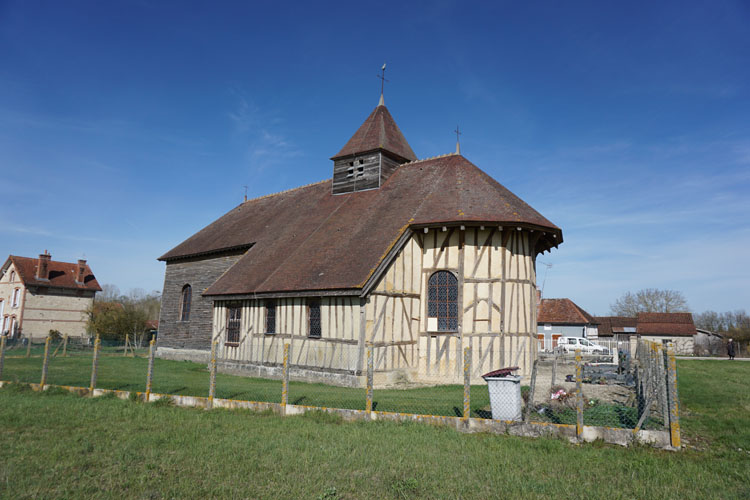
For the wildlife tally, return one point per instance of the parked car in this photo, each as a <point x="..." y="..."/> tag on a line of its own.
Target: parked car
<point x="572" y="344"/>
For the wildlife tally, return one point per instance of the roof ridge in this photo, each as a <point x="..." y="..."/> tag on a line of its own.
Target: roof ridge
<point x="284" y="191"/>
<point x="431" y="158"/>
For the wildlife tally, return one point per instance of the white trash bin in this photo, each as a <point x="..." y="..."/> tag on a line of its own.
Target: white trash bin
<point x="505" y="397"/>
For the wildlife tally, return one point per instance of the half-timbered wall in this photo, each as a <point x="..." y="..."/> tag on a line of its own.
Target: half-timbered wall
<point x="497" y="314"/>
<point x="337" y="349"/>
<point x="497" y="318"/>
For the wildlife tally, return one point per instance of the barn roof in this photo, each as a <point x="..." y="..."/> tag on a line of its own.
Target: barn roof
<point x="309" y="239"/>
<point x="61" y="274"/>
<point x="563" y="311"/>
<point x="379" y="131"/>
<point x="666" y="324"/>
<point x="609" y="325"/>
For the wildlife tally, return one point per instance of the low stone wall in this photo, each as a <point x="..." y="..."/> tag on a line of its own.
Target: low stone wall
<point x="298" y="374"/>
<point x="195" y="355"/>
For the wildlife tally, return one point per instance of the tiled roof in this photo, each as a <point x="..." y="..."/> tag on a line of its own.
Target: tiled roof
<point x="379" y="131"/>
<point x="309" y="239"/>
<point x="563" y="311"/>
<point x="608" y="325"/>
<point x="61" y="274"/>
<point x="680" y="324"/>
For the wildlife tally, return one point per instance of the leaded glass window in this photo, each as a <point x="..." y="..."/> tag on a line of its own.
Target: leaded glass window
<point x="314" y="330"/>
<point x="442" y="300"/>
<point x="187" y="296"/>
<point x="270" y="316"/>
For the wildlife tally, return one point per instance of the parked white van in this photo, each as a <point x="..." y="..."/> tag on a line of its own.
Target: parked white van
<point x="572" y="344"/>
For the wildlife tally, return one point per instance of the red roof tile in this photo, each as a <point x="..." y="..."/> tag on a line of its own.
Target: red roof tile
<point x="310" y="239"/>
<point x="61" y="274"/>
<point x="563" y="311"/>
<point x="680" y="324"/>
<point x="379" y="131"/>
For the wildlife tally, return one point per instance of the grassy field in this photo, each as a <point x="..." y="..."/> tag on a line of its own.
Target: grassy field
<point x="56" y="445"/>
<point x="192" y="379"/>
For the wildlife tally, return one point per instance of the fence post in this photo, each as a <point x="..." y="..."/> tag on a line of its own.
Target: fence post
<point x="467" y="383"/>
<point x="212" y="379"/>
<point x="531" y="391"/>
<point x="28" y="347"/>
<point x="45" y="363"/>
<point x="579" y="396"/>
<point x="554" y="368"/>
<point x="65" y="345"/>
<point x="150" y="374"/>
<point x="368" y="406"/>
<point x="2" y="354"/>
<point x="661" y="363"/>
<point x="674" y="401"/>
<point x="95" y="365"/>
<point x="285" y="379"/>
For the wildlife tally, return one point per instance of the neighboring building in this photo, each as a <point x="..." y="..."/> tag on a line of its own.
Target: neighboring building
<point x="416" y="258"/>
<point x="616" y="328"/>
<point x="675" y="328"/>
<point x="562" y="318"/>
<point x="39" y="295"/>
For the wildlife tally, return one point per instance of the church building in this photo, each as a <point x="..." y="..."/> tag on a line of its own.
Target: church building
<point x="417" y="258"/>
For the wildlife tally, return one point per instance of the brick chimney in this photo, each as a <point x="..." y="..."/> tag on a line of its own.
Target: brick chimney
<point x="42" y="268"/>
<point x="81" y="271"/>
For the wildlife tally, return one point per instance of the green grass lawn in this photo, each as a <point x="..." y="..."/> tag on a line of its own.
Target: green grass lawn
<point x="57" y="445"/>
<point x="192" y="379"/>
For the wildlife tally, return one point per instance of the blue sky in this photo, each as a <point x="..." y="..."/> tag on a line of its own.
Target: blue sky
<point x="125" y="127"/>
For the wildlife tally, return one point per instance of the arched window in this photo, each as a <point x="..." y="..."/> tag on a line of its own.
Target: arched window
<point x="442" y="300"/>
<point x="12" y="276"/>
<point x="16" y="296"/>
<point x="187" y="293"/>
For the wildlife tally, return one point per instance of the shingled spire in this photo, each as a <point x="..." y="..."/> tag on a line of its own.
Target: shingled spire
<point x="371" y="155"/>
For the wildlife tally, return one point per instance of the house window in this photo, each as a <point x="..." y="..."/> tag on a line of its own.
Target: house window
<point x="187" y="293"/>
<point x="313" y="317"/>
<point x="2" y="308"/>
<point x="12" y="330"/>
<point x="270" y="316"/>
<point x="5" y="325"/>
<point x="442" y="300"/>
<point x="12" y="276"/>
<point x="234" y="318"/>
<point x="16" y="295"/>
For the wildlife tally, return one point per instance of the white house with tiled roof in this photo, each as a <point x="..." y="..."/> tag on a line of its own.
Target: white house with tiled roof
<point x="39" y="294"/>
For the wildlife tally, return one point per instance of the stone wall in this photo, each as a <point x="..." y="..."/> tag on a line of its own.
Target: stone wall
<point x="199" y="273"/>
<point x="63" y="310"/>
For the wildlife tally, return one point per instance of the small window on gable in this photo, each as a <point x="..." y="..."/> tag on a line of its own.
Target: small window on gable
<point x="234" y="318"/>
<point x="12" y="276"/>
<point x="270" y="316"/>
<point x="185" y="302"/>
<point x="442" y="301"/>
<point x="313" y="319"/>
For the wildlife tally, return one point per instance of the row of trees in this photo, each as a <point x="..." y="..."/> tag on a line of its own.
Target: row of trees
<point x="114" y="315"/>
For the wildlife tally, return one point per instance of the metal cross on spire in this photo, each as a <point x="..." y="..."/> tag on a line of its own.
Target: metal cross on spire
<point x="382" y="84"/>
<point x="458" y="142"/>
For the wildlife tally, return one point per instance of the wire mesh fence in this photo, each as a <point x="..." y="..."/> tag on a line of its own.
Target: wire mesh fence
<point x="618" y="390"/>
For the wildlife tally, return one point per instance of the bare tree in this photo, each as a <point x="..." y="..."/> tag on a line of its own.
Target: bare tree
<point x="649" y="300"/>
